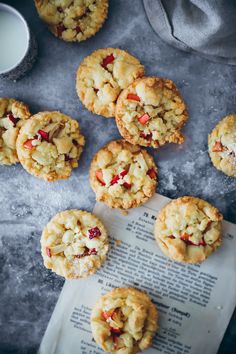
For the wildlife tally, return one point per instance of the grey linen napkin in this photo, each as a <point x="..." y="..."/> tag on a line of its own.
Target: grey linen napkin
<point x="206" y="27"/>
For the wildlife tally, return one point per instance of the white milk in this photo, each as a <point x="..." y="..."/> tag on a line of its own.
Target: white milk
<point x="13" y="40"/>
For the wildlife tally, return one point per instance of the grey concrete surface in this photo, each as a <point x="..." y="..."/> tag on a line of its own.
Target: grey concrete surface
<point x="28" y="292"/>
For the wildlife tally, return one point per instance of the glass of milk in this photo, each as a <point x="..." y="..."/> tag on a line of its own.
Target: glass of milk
<point x="18" y="47"/>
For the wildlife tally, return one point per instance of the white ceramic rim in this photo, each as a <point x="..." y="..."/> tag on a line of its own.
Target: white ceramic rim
<point x="12" y="10"/>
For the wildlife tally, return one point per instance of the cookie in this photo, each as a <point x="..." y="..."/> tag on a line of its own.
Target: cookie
<point x="151" y="112"/>
<point x="49" y="145"/>
<point x="123" y="175"/>
<point x="101" y="77"/>
<point x="71" y="20"/>
<point x="74" y="244"/>
<point x="222" y="145"/>
<point x="188" y="229"/>
<point x="124" y="321"/>
<point x="13" y="114"/>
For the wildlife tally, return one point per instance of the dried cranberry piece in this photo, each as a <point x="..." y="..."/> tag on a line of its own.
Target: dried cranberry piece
<point x="78" y="29"/>
<point x="185" y="238"/>
<point x="108" y="60"/>
<point x="188" y="242"/>
<point x="92" y="251"/>
<point x="60" y="9"/>
<point x="48" y="251"/>
<point x="208" y="226"/>
<point x="146" y="136"/>
<point x="87" y="252"/>
<point x="68" y="158"/>
<point x="127" y="185"/>
<point x="99" y="176"/>
<point x="218" y="147"/>
<point x="94" y="232"/>
<point x="123" y="173"/>
<point x="115" y="179"/>
<point x="115" y="331"/>
<point x="202" y="243"/>
<point x="28" y="144"/>
<point x="108" y="314"/>
<point x="60" y="28"/>
<point x="133" y="97"/>
<point x="151" y="173"/>
<point x="12" y="118"/>
<point x="44" y="135"/>
<point x="144" y="118"/>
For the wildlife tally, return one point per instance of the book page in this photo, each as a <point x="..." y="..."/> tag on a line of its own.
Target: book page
<point x="191" y="299"/>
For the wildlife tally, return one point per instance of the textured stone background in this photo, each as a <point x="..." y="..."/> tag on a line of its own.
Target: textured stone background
<point x="28" y="292"/>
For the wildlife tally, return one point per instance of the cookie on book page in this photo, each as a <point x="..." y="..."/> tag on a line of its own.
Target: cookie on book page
<point x="222" y="145"/>
<point x="124" y="321"/>
<point x="13" y="114"/>
<point x="151" y="112"/>
<point x="101" y="77"/>
<point x="73" y="21"/>
<point x="49" y="145"/>
<point x="123" y="175"/>
<point x="188" y="229"/>
<point x="74" y="244"/>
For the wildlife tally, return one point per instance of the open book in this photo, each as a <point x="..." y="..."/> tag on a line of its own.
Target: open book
<point x="195" y="302"/>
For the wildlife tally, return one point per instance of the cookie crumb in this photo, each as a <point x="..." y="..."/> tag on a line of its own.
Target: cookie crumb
<point x="124" y="212"/>
<point x="118" y="242"/>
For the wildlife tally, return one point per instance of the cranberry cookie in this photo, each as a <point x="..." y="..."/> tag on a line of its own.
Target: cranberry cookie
<point x="12" y="116"/>
<point x="49" y="145"/>
<point x="222" y="145"/>
<point x="124" y="321"/>
<point x="71" y="20"/>
<point x="74" y="244"/>
<point x="123" y="175"/>
<point x="151" y="112"/>
<point x="101" y="77"/>
<point x="188" y="229"/>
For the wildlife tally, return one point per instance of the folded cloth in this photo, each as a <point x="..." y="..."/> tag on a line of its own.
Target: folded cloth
<point x="206" y="27"/>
